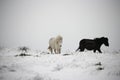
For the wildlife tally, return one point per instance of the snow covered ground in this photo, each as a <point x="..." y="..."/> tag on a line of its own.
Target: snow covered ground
<point x="66" y="66"/>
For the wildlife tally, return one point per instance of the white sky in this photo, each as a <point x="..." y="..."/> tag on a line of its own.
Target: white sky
<point x="33" y="22"/>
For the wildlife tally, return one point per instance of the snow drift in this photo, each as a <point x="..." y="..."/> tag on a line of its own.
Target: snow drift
<point x="39" y="65"/>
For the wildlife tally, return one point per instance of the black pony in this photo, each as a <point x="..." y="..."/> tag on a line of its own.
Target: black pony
<point x="93" y="44"/>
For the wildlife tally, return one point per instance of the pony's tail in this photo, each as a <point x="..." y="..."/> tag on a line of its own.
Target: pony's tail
<point x="77" y="49"/>
<point x="49" y="47"/>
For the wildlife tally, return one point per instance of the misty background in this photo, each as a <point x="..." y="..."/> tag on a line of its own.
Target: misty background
<point x="33" y="22"/>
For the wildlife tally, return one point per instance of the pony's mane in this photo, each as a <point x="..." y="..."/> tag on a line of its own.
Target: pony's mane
<point x="96" y="38"/>
<point x="100" y="38"/>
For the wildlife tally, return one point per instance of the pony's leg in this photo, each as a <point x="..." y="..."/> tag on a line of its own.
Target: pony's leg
<point x="59" y="51"/>
<point x="82" y="49"/>
<point x="55" y="51"/>
<point x="51" y="50"/>
<point x="94" y="50"/>
<point x="99" y="50"/>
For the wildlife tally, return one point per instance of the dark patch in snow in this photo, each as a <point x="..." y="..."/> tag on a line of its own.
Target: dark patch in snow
<point x="1" y="67"/>
<point x="37" y="56"/>
<point x="98" y="64"/>
<point x="1" y="78"/>
<point x="37" y="77"/>
<point x="43" y="77"/>
<point x="58" y="68"/>
<point x="116" y="73"/>
<point x="66" y="54"/>
<point x="44" y="52"/>
<point x="23" y="54"/>
<point x="7" y="68"/>
<point x="12" y="70"/>
<point x="100" y="68"/>
<point x="24" y="49"/>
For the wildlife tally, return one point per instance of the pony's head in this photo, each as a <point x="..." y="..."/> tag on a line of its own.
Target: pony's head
<point x="105" y="41"/>
<point x="59" y="40"/>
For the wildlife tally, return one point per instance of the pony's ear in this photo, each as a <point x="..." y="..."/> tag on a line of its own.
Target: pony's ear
<point x="106" y="37"/>
<point x="103" y="37"/>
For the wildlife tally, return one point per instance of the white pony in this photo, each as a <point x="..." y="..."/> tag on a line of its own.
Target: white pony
<point x="55" y="44"/>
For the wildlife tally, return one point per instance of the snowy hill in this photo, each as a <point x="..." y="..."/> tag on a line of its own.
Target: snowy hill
<point x="42" y="66"/>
